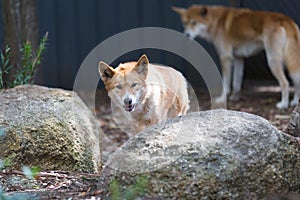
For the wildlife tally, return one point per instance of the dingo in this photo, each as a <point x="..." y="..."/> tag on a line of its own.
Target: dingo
<point x="148" y="93"/>
<point x="240" y="33"/>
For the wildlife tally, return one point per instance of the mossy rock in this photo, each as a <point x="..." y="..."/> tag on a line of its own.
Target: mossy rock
<point x="48" y="128"/>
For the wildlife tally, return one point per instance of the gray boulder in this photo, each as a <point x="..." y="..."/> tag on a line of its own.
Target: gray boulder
<point x="215" y="154"/>
<point x="49" y="128"/>
<point x="294" y="123"/>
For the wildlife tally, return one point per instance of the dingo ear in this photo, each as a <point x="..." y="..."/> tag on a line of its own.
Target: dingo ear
<point x="178" y="10"/>
<point x="141" y="66"/>
<point x="106" y="72"/>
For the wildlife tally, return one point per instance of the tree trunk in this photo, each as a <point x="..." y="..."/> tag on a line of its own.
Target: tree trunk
<point x="294" y="123"/>
<point x="20" y="25"/>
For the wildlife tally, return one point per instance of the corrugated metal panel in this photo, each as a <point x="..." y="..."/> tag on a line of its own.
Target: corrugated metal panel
<point x="1" y="26"/>
<point x="75" y="27"/>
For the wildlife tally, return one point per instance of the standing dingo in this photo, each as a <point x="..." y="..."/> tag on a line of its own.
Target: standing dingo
<point x="240" y="33"/>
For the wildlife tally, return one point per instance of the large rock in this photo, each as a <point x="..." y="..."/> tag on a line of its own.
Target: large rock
<point x="49" y="128"/>
<point x="294" y="123"/>
<point x="216" y="154"/>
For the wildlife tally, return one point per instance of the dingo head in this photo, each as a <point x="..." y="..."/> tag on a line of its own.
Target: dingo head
<point x="194" y="20"/>
<point x="126" y="85"/>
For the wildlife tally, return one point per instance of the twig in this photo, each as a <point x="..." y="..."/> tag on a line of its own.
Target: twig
<point x="51" y="174"/>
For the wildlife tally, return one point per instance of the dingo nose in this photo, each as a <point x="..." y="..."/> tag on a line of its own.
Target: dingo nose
<point x="127" y="101"/>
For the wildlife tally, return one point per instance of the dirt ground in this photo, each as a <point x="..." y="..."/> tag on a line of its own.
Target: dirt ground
<point x="259" y="99"/>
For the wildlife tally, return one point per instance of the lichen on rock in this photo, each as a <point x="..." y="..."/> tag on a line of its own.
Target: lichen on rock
<point x="49" y="128"/>
<point x="215" y="154"/>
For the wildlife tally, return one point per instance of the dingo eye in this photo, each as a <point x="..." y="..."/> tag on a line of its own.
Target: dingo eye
<point x="119" y="86"/>
<point x="134" y="85"/>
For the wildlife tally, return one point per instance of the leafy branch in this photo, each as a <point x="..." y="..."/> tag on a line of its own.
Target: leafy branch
<point x="30" y="60"/>
<point x="6" y="66"/>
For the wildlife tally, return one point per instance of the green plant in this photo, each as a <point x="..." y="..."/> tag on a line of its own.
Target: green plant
<point x="5" y="62"/>
<point x="30" y="173"/>
<point x="132" y="192"/>
<point x="30" y="60"/>
<point x="16" y="196"/>
<point x="5" y="163"/>
<point x="114" y="190"/>
<point x="2" y="194"/>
